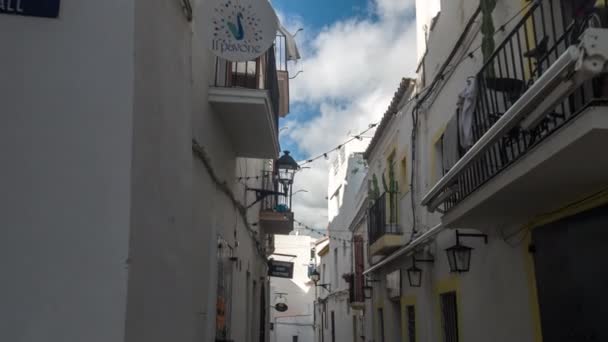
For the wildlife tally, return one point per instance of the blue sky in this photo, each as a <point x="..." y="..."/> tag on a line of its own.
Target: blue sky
<point x="354" y="54"/>
<point x="320" y="13"/>
<point x="315" y="15"/>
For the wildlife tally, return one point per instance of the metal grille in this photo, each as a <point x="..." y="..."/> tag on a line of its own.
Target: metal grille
<point x="449" y="317"/>
<point x="535" y="43"/>
<point x="384" y="217"/>
<point x="260" y="74"/>
<point x="411" y="323"/>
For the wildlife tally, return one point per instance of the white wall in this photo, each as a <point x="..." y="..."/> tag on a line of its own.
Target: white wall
<point x="494" y="298"/>
<point x="298" y="320"/>
<point x="65" y="139"/>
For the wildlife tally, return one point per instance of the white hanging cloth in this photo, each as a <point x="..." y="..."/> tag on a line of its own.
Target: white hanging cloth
<point x="467" y="101"/>
<point x="291" y="48"/>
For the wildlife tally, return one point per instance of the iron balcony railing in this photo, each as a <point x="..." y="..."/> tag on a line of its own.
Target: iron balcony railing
<point x="384" y="217"/>
<point x="259" y="74"/>
<point x="543" y="34"/>
<point x="356" y="280"/>
<point x="276" y="202"/>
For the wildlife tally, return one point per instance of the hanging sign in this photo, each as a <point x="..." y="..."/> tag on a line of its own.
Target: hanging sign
<point x="281" y="307"/>
<point x="33" y="8"/>
<point x="242" y="30"/>
<point x="280" y="269"/>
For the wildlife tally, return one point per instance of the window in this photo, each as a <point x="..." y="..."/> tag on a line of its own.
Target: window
<point x="325" y="314"/>
<point x="449" y="317"/>
<point x="410" y="311"/>
<point x="333" y="327"/>
<point x="294" y="339"/>
<point x="381" y="324"/>
<point x="404" y="182"/>
<point x="323" y="278"/>
<point x="335" y="270"/>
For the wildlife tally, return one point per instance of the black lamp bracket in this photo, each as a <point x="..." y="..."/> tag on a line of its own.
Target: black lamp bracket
<point x="415" y="260"/>
<point x="459" y="235"/>
<point x="327" y="287"/>
<point x="260" y="194"/>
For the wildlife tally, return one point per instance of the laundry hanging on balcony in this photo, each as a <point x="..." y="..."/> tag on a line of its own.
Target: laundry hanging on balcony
<point x="465" y="110"/>
<point x="291" y="48"/>
<point x="451" y="144"/>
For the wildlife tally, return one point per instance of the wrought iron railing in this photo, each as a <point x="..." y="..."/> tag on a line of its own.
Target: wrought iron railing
<point x="356" y="280"/>
<point x="536" y="42"/>
<point x="383" y="217"/>
<point x="279" y="202"/>
<point x="259" y="74"/>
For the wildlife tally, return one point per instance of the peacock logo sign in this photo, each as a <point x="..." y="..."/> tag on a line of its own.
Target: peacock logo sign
<point x="242" y="30"/>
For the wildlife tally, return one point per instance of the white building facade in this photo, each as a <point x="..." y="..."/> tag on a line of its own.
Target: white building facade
<point x="337" y="318"/>
<point x="480" y="239"/>
<point x="125" y="209"/>
<point x="297" y="323"/>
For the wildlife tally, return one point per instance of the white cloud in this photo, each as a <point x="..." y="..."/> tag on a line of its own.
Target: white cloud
<point x="351" y="71"/>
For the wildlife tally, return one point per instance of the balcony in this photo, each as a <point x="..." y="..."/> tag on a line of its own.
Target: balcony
<point x="384" y="232"/>
<point x="276" y="216"/>
<point x="539" y="120"/>
<point x="247" y="97"/>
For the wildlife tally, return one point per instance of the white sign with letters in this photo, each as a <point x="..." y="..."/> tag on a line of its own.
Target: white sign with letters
<point x="242" y="30"/>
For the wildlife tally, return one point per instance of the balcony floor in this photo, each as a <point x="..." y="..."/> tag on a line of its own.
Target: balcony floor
<point x="567" y="166"/>
<point x="248" y="119"/>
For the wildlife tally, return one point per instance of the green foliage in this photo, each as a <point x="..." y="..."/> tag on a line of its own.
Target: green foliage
<point x="375" y="189"/>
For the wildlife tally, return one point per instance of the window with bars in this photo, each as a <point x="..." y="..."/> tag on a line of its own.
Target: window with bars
<point x="411" y="323"/>
<point x="449" y="317"/>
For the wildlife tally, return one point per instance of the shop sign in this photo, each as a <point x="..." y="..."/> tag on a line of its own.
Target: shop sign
<point x="33" y="8"/>
<point x="242" y="30"/>
<point x="280" y="269"/>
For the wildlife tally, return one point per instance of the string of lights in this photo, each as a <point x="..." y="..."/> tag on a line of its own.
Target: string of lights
<point x="322" y="233"/>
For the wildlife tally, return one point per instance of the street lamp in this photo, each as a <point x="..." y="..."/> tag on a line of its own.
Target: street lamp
<point x="286" y="168"/>
<point x="414" y="274"/>
<point x="459" y="255"/>
<point x="316" y="277"/>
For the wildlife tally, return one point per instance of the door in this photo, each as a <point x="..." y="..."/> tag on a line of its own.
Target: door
<point x="333" y="327"/>
<point x="571" y="259"/>
<point x="263" y="314"/>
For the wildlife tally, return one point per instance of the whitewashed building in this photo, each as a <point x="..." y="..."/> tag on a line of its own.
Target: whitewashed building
<point x="129" y="157"/>
<point x="297" y="323"/>
<point x="507" y="106"/>
<point x="345" y="177"/>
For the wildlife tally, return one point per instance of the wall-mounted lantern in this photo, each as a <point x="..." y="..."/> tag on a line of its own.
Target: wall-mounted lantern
<point x="316" y="277"/>
<point x="459" y="256"/>
<point x="286" y="168"/>
<point x="414" y="274"/>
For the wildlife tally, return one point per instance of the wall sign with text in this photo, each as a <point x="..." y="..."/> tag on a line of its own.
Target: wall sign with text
<point x="280" y="269"/>
<point x="32" y="8"/>
<point x="242" y="30"/>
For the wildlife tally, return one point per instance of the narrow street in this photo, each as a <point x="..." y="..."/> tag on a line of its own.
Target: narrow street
<point x="304" y="170"/>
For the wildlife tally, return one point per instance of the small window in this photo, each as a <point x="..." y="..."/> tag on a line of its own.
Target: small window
<point x="381" y="324"/>
<point x="449" y="317"/>
<point x="404" y="181"/>
<point x="294" y="339"/>
<point x="411" y="323"/>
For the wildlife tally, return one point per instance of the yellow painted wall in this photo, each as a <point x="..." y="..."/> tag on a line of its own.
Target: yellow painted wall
<point x="450" y="284"/>
<point x="577" y="207"/>
<point x="405" y="302"/>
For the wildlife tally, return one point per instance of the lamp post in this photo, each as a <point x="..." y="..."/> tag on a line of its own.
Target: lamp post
<point x="414" y="274"/>
<point x="315" y="277"/>
<point x="459" y="255"/>
<point x="286" y="168"/>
